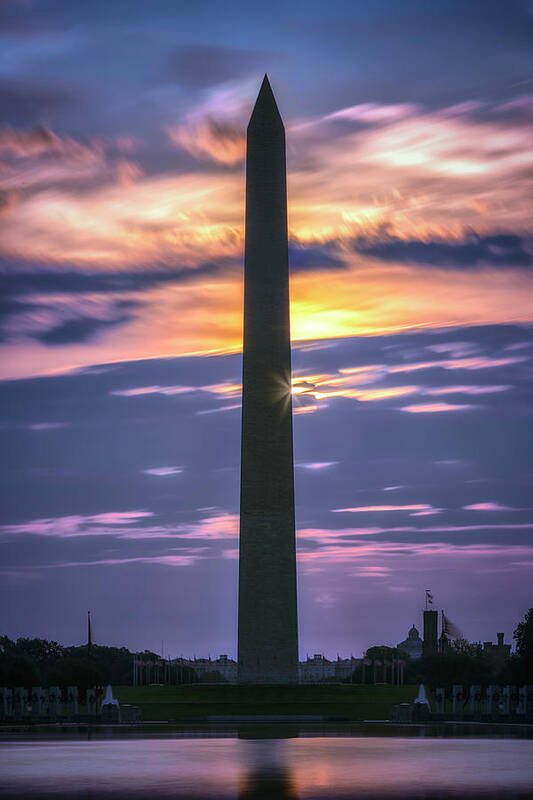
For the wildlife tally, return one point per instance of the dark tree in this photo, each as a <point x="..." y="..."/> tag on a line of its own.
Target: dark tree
<point x="18" y="671"/>
<point x="523" y="637"/>
<point x="72" y="671"/>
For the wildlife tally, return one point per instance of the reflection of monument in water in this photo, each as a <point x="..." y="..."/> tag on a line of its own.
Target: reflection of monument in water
<point x="268" y="783"/>
<point x="267" y="775"/>
<point x="268" y="632"/>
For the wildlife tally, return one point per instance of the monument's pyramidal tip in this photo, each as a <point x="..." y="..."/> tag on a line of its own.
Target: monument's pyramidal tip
<point x="265" y="107"/>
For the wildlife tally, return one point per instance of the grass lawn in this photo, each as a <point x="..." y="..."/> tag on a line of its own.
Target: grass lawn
<point x="175" y="703"/>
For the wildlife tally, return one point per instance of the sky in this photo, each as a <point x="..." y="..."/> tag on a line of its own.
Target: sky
<point x="410" y="163"/>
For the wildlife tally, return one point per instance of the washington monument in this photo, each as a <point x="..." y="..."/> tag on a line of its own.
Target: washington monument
<point x="268" y="626"/>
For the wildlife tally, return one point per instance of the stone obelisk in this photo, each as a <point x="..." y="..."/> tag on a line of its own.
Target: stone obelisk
<point x="268" y="626"/>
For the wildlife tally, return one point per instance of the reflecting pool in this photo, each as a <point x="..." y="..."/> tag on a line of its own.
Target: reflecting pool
<point x="246" y="766"/>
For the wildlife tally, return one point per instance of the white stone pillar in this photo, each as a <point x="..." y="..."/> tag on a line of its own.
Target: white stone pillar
<point x="37" y="701"/>
<point x="91" y="701"/>
<point x="6" y="702"/>
<point x="475" y="700"/>
<point x="72" y="700"/>
<point x="493" y="700"/>
<point x="55" y="705"/>
<point x="457" y="700"/>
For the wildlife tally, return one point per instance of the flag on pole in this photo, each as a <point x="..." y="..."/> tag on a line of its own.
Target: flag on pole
<point x="89" y="637"/>
<point x="449" y="628"/>
<point x="429" y="597"/>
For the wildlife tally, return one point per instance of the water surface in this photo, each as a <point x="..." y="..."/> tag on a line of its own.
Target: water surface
<point x="251" y="768"/>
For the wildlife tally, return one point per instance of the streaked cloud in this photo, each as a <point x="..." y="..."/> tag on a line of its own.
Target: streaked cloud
<point x="211" y="139"/>
<point x="421" y="197"/>
<point x="76" y="525"/>
<point x="437" y="408"/>
<point x="395" y="551"/>
<point x="440" y="390"/>
<point x="126" y="525"/>
<point x="47" y="426"/>
<point x="163" y="471"/>
<point x="190" y="557"/>
<point x="139" y="391"/>
<point x="316" y="465"/>
<point x="373" y="509"/>
<point x="487" y="507"/>
<point x="231" y="407"/>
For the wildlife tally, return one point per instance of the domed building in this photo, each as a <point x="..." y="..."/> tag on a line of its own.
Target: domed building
<point x="413" y="644"/>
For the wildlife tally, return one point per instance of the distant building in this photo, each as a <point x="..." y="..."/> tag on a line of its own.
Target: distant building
<point x="318" y="668"/>
<point x="499" y="651"/>
<point x="413" y="645"/>
<point x="225" y="666"/>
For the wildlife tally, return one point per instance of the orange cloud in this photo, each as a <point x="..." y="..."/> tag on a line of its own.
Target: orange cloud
<point x="210" y="139"/>
<point x="40" y="140"/>
<point x="400" y="169"/>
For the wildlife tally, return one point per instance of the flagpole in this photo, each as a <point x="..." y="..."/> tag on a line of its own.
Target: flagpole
<point x="89" y="644"/>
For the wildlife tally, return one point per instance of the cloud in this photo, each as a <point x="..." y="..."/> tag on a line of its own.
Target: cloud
<point x="214" y="130"/>
<point x="231" y="407"/>
<point x="347" y="382"/>
<point x="37" y="159"/>
<point x="59" y="308"/>
<point x="307" y="409"/>
<point x="222" y="390"/>
<point x="455" y="349"/>
<point x="82" y="329"/>
<point x="63" y="319"/>
<point x="474" y="363"/>
<point x="487" y="507"/>
<point x="126" y="525"/>
<point x="502" y="250"/>
<point x="40" y="140"/>
<point x="77" y="525"/>
<point x="188" y="559"/>
<point x="186" y="219"/>
<point x="373" y="571"/>
<point x="392" y="553"/>
<point x="126" y="229"/>
<point x="140" y="391"/>
<point x="398" y="207"/>
<point x="374" y="509"/>
<point x="19" y="279"/>
<point x="211" y="139"/>
<point x="437" y="408"/>
<point x="314" y="257"/>
<point x="374" y="113"/>
<point x="47" y="426"/>
<point x="163" y="471"/>
<point x="316" y="465"/>
<point x="474" y="390"/>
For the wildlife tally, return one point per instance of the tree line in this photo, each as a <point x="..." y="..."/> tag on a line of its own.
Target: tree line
<point x="464" y="663"/>
<point x="38" y="662"/>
